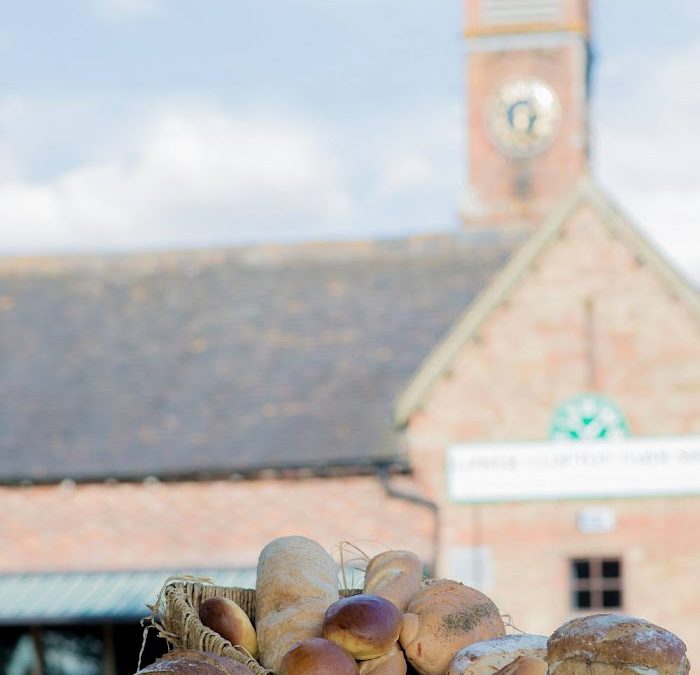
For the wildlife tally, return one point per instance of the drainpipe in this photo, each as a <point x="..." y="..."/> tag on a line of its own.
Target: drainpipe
<point x="383" y="477"/>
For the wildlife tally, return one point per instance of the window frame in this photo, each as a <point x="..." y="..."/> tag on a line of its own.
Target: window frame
<point x="596" y="584"/>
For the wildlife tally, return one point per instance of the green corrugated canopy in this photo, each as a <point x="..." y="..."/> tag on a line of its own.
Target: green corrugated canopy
<point x="93" y="597"/>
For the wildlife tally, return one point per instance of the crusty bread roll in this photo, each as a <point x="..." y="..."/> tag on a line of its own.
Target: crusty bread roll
<point x="367" y="626"/>
<point x="484" y="658"/>
<point x="442" y="618"/>
<point x="227" y="619"/>
<point x="524" y="665"/>
<point x="392" y="663"/>
<point x="614" y="644"/>
<point x="317" y="656"/>
<point x="297" y="581"/>
<point x="394" y="575"/>
<point x="193" y="662"/>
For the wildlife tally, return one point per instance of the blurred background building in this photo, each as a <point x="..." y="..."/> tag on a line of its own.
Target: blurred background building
<point x="519" y="402"/>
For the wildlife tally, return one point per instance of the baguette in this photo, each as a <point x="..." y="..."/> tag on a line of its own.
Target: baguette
<point x="297" y="581"/>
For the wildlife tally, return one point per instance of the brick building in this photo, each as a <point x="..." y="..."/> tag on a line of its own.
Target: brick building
<point x="171" y="413"/>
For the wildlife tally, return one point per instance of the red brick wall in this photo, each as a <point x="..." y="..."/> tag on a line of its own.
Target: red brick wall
<point x="529" y="356"/>
<point x="553" y="172"/>
<point x="492" y="176"/>
<point x="532" y="544"/>
<point x="197" y="525"/>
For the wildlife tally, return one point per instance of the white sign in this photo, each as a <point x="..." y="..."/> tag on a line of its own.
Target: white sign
<point x="595" y="520"/>
<point x="494" y="472"/>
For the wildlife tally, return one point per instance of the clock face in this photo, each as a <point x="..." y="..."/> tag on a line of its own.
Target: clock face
<point x="523" y="117"/>
<point x="588" y="417"/>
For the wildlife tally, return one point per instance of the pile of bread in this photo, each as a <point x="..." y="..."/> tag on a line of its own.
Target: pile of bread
<point x="400" y="624"/>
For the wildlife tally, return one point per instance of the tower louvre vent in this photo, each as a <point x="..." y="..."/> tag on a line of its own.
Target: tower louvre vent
<point x="520" y="11"/>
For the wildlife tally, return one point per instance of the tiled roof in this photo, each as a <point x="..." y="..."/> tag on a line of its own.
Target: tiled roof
<point x="215" y="362"/>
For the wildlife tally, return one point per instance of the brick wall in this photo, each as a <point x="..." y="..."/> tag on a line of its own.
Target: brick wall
<point x="197" y="525"/>
<point x="551" y="174"/>
<point x="554" y="51"/>
<point x="532" y="353"/>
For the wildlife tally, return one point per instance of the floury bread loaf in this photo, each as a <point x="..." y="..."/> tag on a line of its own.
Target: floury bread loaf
<point x="297" y="581"/>
<point x="614" y="644"/>
<point x="485" y="658"/>
<point x="443" y="618"/>
<point x="394" y="575"/>
<point x="194" y="662"/>
<point x="524" y="665"/>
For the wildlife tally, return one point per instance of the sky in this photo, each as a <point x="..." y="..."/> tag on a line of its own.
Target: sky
<point x="131" y="124"/>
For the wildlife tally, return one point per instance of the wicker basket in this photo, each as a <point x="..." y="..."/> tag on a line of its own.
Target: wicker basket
<point x="175" y="616"/>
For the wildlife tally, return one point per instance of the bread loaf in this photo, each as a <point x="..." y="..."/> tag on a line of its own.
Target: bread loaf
<point x="297" y="581"/>
<point x="442" y="618"/>
<point x="391" y="663"/>
<point x="484" y="658"/>
<point x="317" y="657"/>
<point x="614" y="644"/>
<point x="524" y="665"/>
<point x="367" y="626"/>
<point x="394" y="575"/>
<point x="193" y="662"/>
<point x="227" y="619"/>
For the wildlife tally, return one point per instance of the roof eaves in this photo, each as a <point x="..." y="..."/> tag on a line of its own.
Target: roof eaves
<point x="339" y="467"/>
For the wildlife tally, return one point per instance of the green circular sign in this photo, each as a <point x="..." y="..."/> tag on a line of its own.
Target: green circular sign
<point x="588" y="417"/>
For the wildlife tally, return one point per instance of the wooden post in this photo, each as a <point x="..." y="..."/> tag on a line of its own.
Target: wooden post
<point x="38" y="668"/>
<point x="109" y="666"/>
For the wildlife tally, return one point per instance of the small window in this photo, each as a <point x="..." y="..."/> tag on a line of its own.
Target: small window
<point x="596" y="583"/>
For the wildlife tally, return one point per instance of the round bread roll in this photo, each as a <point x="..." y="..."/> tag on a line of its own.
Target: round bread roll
<point x="394" y="575"/>
<point x="297" y="581"/>
<point x="443" y="618"/>
<point x="483" y="658"/>
<point x="614" y="644"/>
<point x="227" y="619"/>
<point x="317" y="656"/>
<point x="193" y="662"/>
<point x="367" y="626"/>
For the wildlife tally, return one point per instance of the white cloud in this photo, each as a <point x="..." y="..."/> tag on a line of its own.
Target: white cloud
<point x="11" y="111"/>
<point x="191" y="175"/>
<point x="419" y="155"/>
<point x="184" y="174"/>
<point x="405" y="172"/>
<point x="115" y="9"/>
<point x="648" y="151"/>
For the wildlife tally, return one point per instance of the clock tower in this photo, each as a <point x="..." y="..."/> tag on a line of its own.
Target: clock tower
<point x="528" y="65"/>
